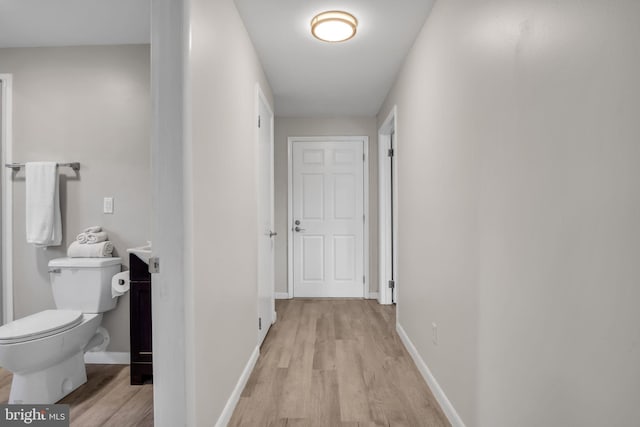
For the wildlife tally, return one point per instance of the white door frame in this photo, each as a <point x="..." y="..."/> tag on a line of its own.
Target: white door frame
<point x="260" y="97"/>
<point x="6" y="156"/>
<point x="388" y="127"/>
<point x="365" y="146"/>
<point x="171" y="230"/>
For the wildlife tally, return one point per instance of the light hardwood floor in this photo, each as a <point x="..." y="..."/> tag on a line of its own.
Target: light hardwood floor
<point x="335" y="363"/>
<point x="107" y="399"/>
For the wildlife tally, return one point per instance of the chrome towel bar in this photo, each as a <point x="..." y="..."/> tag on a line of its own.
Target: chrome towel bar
<point x="17" y="166"/>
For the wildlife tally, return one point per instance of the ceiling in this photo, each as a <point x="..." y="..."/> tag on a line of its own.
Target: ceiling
<point x="313" y="78"/>
<point x="27" y="23"/>
<point x="308" y="77"/>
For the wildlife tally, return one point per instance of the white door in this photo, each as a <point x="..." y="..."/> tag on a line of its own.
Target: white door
<point x="266" y="308"/>
<point x="392" y="214"/>
<point x="388" y="203"/>
<point x="327" y="209"/>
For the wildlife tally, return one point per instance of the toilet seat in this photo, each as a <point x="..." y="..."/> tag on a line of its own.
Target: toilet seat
<point x="39" y="325"/>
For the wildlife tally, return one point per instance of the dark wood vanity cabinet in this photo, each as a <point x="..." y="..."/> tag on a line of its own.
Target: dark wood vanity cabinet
<point x="140" y="321"/>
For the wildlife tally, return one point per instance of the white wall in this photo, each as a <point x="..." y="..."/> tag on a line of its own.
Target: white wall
<point x="221" y="205"/>
<point x="286" y="127"/>
<point x="91" y="105"/>
<point x="518" y="209"/>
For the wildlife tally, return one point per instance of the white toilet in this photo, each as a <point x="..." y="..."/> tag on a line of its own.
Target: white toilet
<point x="45" y="351"/>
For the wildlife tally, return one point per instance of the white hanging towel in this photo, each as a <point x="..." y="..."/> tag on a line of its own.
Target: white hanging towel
<point x="44" y="225"/>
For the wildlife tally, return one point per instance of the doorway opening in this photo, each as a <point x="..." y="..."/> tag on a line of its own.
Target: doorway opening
<point x="328" y="237"/>
<point x="388" y="208"/>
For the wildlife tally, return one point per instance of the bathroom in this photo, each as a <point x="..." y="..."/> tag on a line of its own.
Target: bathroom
<point x="86" y="104"/>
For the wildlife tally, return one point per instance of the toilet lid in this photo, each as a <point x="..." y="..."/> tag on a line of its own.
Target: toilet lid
<point x="44" y="323"/>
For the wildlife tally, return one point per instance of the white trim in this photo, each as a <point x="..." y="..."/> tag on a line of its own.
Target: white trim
<point x="108" y="358"/>
<point x="227" y="412"/>
<point x="388" y="127"/>
<point x="6" y="156"/>
<point x="282" y="295"/>
<point x="365" y="211"/>
<point x="171" y="187"/>
<point x="445" y="404"/>
<point x="289" y="217"/>
<point x="373" y="295"/>
<point x="365" y="208"/>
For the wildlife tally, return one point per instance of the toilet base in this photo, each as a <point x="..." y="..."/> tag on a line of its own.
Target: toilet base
<point x="50" y="384"/>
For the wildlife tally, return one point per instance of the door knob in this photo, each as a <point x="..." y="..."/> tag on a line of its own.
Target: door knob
<point x="298" y="229"/>
<point x="272" y="233"/>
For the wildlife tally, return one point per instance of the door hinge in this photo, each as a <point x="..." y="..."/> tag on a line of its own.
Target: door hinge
<point x="392" y="284"/>
<point x="363" y="157"/>
<point x="390" y="152"/>
<point x="363" y="280"/>
<point x="259" y="323"/>
<point x="363" y="218"/>
<point x="258" y="121"/>
<point x="154" y="265"/>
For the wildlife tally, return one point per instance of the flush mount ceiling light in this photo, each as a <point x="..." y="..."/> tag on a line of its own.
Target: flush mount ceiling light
<point x="334" y="26"/>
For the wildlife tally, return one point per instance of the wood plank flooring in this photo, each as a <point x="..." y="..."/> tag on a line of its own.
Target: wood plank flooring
<point x="335" y="363"/>
<point x="325" y="363"/>
<point x="107" y="398"/>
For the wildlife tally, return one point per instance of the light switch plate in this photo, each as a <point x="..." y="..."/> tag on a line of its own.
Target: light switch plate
<point x="108" y="205"/>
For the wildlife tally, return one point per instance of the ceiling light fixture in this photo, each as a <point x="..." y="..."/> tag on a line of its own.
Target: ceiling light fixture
<point x="334" y="26"/>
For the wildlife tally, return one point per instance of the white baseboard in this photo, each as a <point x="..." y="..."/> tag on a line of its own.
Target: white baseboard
<point x="108" y="357"/>
<point x="285" y="295"/>
<point x="437" y="391"/>
<point x="227" y="412"/>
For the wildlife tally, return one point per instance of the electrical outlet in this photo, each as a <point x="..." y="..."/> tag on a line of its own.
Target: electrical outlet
<point x="107" y="206"/>
<point x="434" y="333"/>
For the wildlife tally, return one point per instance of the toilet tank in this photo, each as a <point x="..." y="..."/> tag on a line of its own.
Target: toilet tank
<point x="83" y="283"/>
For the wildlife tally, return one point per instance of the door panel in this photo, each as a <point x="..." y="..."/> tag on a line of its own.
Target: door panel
<point x="312" y="258"/>
<point x="312" y="205"/>
<point x="328" y="228"/>
<point x="392" y="215"/>
<point x="344" y="257"/>
<point x="266" y="272"/>
<point x="344" y="197"/>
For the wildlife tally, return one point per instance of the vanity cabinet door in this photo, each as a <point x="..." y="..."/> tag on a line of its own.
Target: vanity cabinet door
<point x="140" y="322"/>
<point x="141" y="347"/>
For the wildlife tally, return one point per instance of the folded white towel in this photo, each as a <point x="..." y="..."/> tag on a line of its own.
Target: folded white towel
<point x="83" y="237"/>
<point x="87" y="237"/>
<point x="93" y="238"/>
<point x="98" y="250"/>
<point x="43" y="221"/>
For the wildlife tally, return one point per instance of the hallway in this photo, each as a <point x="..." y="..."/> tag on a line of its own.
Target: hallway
<point x="335" y="363"/>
